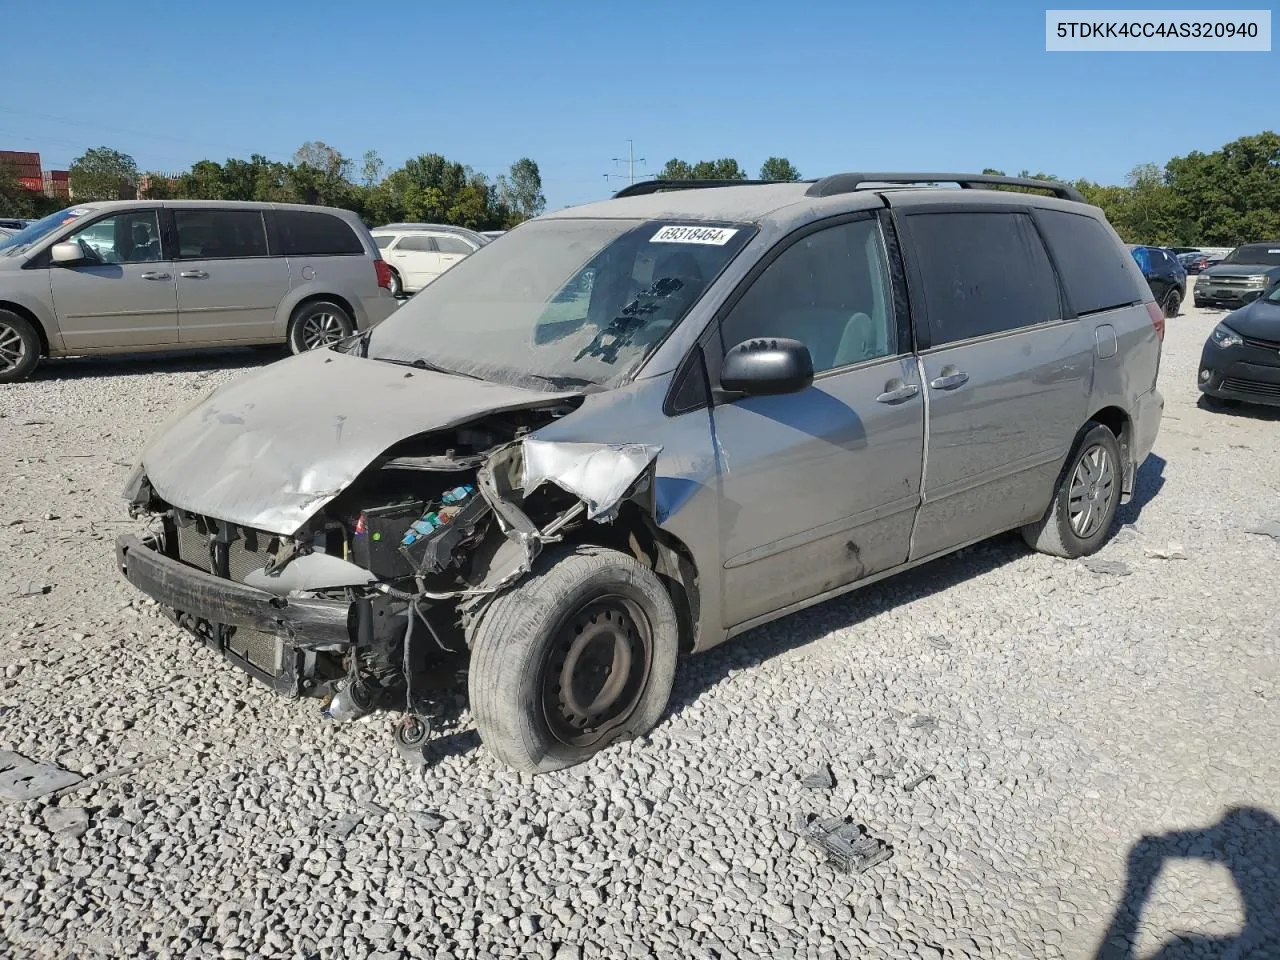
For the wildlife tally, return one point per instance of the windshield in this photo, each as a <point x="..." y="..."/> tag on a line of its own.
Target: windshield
<point x="560" y="303"/>
<point x="1259" y="253"/>
<point x="35" y="232"/>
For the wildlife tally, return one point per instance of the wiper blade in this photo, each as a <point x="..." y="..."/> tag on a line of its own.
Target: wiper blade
<point x="560" y="383"/>
<point x="421" y="364"/>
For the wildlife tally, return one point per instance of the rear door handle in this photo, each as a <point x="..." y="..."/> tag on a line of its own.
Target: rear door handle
<point x="152" y="275"/>
<point x="194" y="275"/>
<point x="950" y="381"/>
<point x="898" y="394"/>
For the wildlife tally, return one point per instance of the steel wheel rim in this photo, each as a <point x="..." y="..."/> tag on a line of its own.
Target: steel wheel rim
<point x="13" y="349"/>
<point x="1091" y="491"/>
<point x="597" y="670"/>
<point x="321" y="329"/>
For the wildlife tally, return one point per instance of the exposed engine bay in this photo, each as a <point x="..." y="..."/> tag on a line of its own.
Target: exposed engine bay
<point x="356" y="605"/>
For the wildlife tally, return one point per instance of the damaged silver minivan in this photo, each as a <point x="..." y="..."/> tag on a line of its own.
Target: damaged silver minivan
<point x="637" y="428"/>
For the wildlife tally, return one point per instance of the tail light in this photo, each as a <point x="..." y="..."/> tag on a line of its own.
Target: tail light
<point x="1157" y="318"/>
<point x="384" y="273"/>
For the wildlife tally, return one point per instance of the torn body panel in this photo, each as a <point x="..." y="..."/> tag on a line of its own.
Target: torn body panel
<point x="273" y="448"/>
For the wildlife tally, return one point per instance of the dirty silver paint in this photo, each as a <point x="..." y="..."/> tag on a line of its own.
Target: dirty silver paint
<point x="598" y="474"/>
<point x="270" y="450"/>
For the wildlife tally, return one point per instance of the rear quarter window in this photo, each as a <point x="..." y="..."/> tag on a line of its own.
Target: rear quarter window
<point x="306" y="233"/>
<point x="1096" y="271"/>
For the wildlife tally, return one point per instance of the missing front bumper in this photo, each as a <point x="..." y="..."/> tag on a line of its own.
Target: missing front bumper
<point x="268" y="636"/>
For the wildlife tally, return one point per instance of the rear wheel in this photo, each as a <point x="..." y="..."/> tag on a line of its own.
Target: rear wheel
<point x="397" y="285"/>
<point x="318" y="324"/>
<point x="576" y="656"/>
<point x="19" y="347"/>
<point x="1085" y="502"/>
<point x="1172" y="303"/>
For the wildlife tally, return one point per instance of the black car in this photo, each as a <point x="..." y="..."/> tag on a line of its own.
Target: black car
<point x="1193" y="261"/>
<point x="1245" y="273"/>
<point x="1165" y="276"/>
<point x="1241" y="358"/>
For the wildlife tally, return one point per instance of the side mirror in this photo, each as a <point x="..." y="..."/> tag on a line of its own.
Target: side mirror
<point x="767" y="366"/>
<point x="67" y="252"/>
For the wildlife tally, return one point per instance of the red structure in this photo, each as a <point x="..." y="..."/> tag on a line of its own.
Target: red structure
<point x="52" y="183"/>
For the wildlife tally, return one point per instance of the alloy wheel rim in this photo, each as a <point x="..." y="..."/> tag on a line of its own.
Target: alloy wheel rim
<point x="320" y="330"/>
<point x="1091" y="491"/>
<point x="13" y="349"/>
<point x="596" y="671"/>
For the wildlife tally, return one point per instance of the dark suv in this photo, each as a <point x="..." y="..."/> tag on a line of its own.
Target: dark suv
<point x="1166" y="277"/>
<point x="1248" y="271"/>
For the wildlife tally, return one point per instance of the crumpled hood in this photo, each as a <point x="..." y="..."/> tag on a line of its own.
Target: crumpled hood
<point x="271" y="449"/>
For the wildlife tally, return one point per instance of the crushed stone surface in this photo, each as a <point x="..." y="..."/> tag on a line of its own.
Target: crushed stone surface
<point x="1099" y="777"/>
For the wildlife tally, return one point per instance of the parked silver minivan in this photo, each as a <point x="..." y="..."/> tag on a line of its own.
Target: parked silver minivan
<point x="126" y="276"/>
<point x="638" y="428"/>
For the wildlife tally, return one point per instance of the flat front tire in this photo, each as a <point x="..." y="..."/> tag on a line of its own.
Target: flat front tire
<point x="1084" y="504"/>
<point x="579" y="654"/>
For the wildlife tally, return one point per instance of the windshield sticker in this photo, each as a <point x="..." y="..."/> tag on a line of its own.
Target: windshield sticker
<point x="715" y="236"/>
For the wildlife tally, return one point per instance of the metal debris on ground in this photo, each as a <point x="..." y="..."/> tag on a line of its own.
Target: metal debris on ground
<point x="34" y="589"/>
<point x="938" y="642"/>
<point x="822" y="779"/>
<point x="1268" y="528"/>
<point x="343" y="827"/>
<point x="1173" y="551"/>
<point x="1112" y="568"/>
<point x="923" y="722"/>
<point x="21" y="779"/>
<point x="848" y="846"/>
<point x="917" y="781"/>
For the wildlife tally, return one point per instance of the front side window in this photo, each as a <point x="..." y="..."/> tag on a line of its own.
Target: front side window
<point x="446" y="244"/>
<point x="561" y="303"/>
<point x="829" y="290"/>
<point x="983" y="273"/>
<point x="417" y="243"/>
<point x="220" y="234"/>
<point x="132" y="237"/>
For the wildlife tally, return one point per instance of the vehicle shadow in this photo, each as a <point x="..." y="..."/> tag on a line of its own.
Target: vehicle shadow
<point x="1242" y="411"/>
<point x="121" y="365"/>
<point x="704" y="671"/>
<point x="1146" y="485"/>
<point x="1247" y="842"/>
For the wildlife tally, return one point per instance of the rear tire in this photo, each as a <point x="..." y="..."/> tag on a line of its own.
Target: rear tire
<point x="318" y="323"/>
<point x="19" y="347"/>
<point x="397" y="284"/>
<point x="1085" y="501"/>
<point x="576" y="656"/>
<point x="1172" y="303"/>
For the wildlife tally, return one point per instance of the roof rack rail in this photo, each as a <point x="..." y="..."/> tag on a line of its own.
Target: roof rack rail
<point x="661" y="186"/>
<point x="848" y="182"/>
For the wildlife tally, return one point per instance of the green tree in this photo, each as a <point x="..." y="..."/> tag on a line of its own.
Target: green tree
<point x="778" y="168"/>
<point x="676" y="169"/>
<point x="722" y="169"/>
<point x="521" y="191"/>
<point x="101" y="173"/>
<point x="324" y="158"/>
<point x="370" y="168"/>
<point x="1229" y="196"/>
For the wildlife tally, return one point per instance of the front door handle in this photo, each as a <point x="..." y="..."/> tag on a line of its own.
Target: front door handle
<point x="152" y="275"/>
<point x="897" y="394"/>
<point x="194" y="275"/>
<point x="949" y="381"/>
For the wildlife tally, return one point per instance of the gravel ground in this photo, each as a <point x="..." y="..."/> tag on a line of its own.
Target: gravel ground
<point x="1062" y="713"/>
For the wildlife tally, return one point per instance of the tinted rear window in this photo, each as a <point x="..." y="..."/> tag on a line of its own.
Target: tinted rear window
<point x="304" y="233"/>
<point x="1092" y="265"/>
<point x="220" y="234"/>
<point x="984" y="273"/>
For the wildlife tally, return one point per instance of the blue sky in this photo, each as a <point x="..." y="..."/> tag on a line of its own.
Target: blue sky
<point x="831" y="85"/>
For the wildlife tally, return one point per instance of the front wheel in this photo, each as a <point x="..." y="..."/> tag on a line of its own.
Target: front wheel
<point x="19" y="347"/>
<point x="1085" y="501"/>
<point x="578" y="655"/>
<point x="318" y="324"/>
